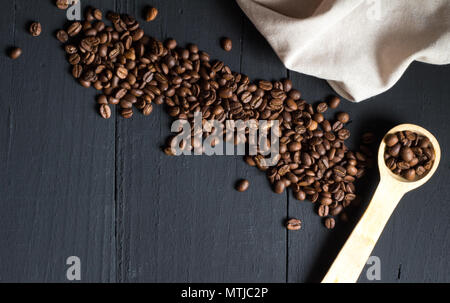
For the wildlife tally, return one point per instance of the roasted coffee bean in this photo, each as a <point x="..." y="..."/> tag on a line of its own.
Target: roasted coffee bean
<point x="15" y="53"/>
<point x="279" y="186"/>
<point x="294" y="224"/>
<point x="74" y="29"/>
<point x="334" y="102"/>
<point x="343" y="117"/>
<point x="323" y="210"/>
<point x="242" y="185"/>
<point x="151" y="14"/>
<point x="127" y="113"/>
<point x="391" y="140"/>
<point x="62" y="4"/>
<point x="330" y="223"/>
<point x="62" y="36"/>
<point x="322" y="107"/>
<point x="35" y="29"/>
<point x="105" y="111"/>
<point x="226" y="44"/>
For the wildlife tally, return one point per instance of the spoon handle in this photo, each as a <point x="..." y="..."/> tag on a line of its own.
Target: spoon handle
<point x="350" y="261"/>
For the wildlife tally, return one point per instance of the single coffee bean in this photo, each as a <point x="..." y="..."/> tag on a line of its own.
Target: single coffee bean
<point x="227" y="44"/>
<point x="343" y="117"/>
<point x="279" y="186"/>
<point x="323" y="210"/>
<point x="151" y="14"/>
<point x="62" y="36"/>
<point x="330" y="223"/>
<point x="97" y="14"/>
<point x="105" y="111"/>
<point x="322" y="107"/>
<point x="294" y="224"/>
<point x="409" y="174"/>
<point x="74" y="29"/>
<point x="407" y="154"/>
<point x="242" y="185"/>
<point x="15" y="53"/>
<point x="391" y="140"/>
<point x="35" y="29"/>
<point x="127" y="113"/>
<point x="62" y="4"/>
<point x="334" y="102"/>
<point x="171" y="43"/>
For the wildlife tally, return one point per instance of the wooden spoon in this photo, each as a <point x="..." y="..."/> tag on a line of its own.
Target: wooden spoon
<point x="353" y="256"/>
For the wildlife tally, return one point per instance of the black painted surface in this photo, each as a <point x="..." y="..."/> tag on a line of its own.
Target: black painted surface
<point x="73" y="184"/>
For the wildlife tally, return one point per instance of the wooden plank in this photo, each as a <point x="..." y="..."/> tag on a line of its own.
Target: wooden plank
<point x="57" y="168"/>
<point x="181" y="220"/>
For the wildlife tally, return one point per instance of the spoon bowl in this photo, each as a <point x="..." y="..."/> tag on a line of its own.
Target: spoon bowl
<point x="353" y="256"/>
<point x="402" y="183"/>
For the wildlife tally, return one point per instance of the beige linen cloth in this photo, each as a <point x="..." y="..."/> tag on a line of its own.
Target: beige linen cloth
<point x="362" y="47"/>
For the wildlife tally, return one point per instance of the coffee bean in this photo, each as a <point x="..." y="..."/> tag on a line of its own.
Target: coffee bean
<point x="322" y="107"/>
<point x="105" y="111"/>
<point x="279" y="187"/>
<point x="330" y="223"/>
<point x="343" y="117"/>
<point x="294" y="224"/>
<point x="409" y="174"/>
<point x="227" y="44"/>
<point x="151" y="14"/>
<point x="74" y="29"/>
<point x="323" y="210"/>
<point x="62" y="36"/>
<point x="334" y="102"/>
<point x="35" y="29"/>
<point x="127" y="113"/>
<point x="406" y="153"/>
<point x="391" y="140"/>
<point x="242" y="185"/>
<point x="62" y="4"/>
<point x="15" y="53"/>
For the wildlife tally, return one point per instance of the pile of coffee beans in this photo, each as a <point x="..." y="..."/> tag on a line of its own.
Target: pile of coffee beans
<point x="409" y="155"/>
<point x="136" y="71"/>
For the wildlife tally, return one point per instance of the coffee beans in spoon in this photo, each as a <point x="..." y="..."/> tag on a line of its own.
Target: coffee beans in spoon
<point x="409" y="154"/>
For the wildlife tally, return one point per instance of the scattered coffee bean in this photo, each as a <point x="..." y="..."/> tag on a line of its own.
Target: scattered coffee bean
<point x="151" y="14"/>
<point x="227" y="44"/>
<point x="35" y="29"/>
<point x="334" y="102"/>
<point x="62" y="36"/>
<point x="343" y="117"/>
<point x="105" y="111"/>
<point x="15" y="53"/>
<point x="408" y="154"/>
<point x="330" y="223"/>
<point x="294" y="224"/>
<point x="62" y="4"/>
<point x="134" y="70"/>
<point x="242" y="185"/>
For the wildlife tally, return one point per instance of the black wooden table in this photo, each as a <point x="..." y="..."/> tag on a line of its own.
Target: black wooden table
<point x="74" y="184"/>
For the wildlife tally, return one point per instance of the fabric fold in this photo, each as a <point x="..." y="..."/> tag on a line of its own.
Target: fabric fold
<point x="362" y="47"/>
